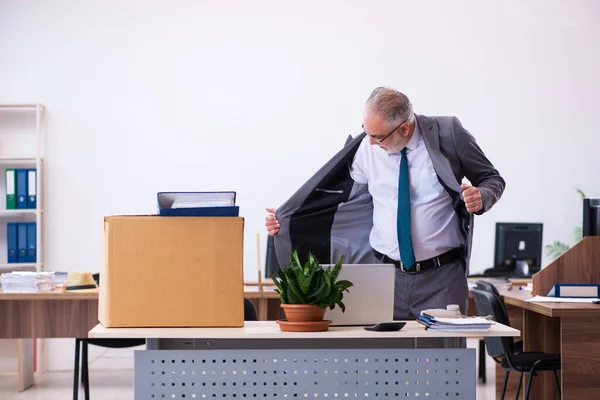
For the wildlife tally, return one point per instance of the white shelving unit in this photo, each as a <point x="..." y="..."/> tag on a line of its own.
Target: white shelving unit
<point x="30" y="156"/>
<point x="20" y="149"/>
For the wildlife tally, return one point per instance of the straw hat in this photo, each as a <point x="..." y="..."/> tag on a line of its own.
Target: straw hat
<point x="80" y="282"/>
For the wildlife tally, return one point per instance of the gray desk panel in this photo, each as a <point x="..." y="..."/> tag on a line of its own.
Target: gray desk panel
<point x="305" y="373"/>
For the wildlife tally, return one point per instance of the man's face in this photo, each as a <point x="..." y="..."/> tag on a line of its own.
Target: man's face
<point x="391" y="140"/>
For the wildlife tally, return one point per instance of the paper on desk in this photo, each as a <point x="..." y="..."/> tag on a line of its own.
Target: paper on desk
<point x="544" y="299"/>
<point x="475" y="328"/>
<point x="463" y="321"/>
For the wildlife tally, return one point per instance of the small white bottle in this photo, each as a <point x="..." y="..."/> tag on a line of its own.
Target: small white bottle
<point x="453" y="311"/>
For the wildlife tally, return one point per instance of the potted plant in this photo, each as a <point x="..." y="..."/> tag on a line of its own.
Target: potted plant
<point x="307" y="290"/>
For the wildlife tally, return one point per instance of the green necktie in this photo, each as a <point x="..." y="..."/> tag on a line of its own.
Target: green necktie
<point x="407" y="255"/>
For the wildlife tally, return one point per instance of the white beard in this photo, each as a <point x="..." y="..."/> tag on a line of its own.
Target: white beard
<point x="390" y="149"/>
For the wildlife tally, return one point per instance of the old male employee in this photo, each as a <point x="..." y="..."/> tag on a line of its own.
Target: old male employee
<point x="422" y="212"/>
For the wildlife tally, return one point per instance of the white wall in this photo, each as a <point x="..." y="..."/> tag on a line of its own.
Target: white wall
<point x="255" y="96"/>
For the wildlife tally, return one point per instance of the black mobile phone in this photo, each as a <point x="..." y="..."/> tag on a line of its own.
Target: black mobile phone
<point x="386" y="326"/>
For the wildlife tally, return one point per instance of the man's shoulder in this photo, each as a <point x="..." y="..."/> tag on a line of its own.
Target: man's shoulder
<point x="445" y="124"/>
<point x="440" y="119"/>
<point x="363" y="146"/>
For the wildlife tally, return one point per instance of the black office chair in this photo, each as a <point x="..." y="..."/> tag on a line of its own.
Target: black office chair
<point x="249" y="311"/>
<point x="502" y="349"/>
<point x="82" y="344"/>
<point x="488" y="287"/>
<point x="249" y="315"/>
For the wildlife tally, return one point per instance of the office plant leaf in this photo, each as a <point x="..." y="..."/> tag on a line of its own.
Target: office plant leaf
<point x="557" y="248"/>
<point x="311" y="283"/>
<point x="282" y="288"/>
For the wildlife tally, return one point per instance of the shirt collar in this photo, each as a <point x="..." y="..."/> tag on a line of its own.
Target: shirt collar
<point x="413" y="143"/>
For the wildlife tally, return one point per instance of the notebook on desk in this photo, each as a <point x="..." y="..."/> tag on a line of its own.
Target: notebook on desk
<point x="370" y="300"/>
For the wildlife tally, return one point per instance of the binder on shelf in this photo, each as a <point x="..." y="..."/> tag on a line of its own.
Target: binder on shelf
<point x="21" y="188"/>
<point x="21" y="242"/>
<point x="198" y="204"/>
<point x="11" y="242"/>
<point x="30" y="244"/>
<point x="11" y="199"/>
<point x="31" y="189"/>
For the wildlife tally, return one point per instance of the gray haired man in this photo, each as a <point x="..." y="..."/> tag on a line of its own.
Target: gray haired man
<point x="422" y="213"/>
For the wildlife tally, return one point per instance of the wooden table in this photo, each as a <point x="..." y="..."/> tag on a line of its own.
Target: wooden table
<point x="58" y="314"/>
<point x="571" y="329"/>
<point x="29" y="316"/>
<point x="54" y="314"/>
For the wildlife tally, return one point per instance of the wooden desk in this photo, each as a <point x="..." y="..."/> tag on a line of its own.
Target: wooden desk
<point x="571" y="329"/>
<point x="58" y="314"/>
<point x="47" y="315"/>
<point x="29" y="316"/>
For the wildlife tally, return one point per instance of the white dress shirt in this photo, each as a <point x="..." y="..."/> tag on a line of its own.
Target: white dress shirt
<point x="434" y="224"/>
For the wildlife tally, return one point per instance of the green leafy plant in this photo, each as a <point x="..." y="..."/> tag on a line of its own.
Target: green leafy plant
<point x="311" y="283"/>
<point x="557" y="248"/>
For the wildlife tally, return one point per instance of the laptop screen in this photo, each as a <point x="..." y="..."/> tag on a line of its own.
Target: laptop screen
<point x="370" y="300"/>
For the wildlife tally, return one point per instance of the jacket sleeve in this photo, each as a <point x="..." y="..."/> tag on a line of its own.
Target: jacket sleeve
<point x="476" y="167"/>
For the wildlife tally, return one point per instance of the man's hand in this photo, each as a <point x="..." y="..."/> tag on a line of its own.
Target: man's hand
<point x="472" y="198"/>
<point x="271" y="222"/>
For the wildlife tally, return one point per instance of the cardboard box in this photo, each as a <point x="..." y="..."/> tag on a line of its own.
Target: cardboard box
<point x="172" y="272"/>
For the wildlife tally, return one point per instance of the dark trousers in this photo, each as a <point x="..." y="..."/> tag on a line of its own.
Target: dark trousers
<point x="434" y="288"/>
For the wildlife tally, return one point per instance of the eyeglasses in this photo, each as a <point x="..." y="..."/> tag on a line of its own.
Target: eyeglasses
<point x="381" y="140"/>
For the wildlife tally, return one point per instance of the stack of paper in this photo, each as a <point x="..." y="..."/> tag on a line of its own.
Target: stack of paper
<point x="28" y="282"/>
<point x="200" y="199"/>
<point x="468" y="324"/>
<point x="198" y="204"/>
<point x="545" y="299"/>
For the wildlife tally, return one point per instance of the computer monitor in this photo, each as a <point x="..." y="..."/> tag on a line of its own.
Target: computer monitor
<point x="518" y="250"/>
<point x="591" y="217"/>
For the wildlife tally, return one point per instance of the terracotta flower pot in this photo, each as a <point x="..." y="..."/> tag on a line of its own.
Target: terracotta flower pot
<point x="303" y="312"/>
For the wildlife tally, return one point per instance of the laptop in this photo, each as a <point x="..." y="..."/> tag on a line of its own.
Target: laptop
<point x="370" y="300"/>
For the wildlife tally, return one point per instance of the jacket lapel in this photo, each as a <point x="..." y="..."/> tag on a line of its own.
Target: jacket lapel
<point x="431" y="137"/>
<point x="312" y="221"/>
<point x="430" y="132"/>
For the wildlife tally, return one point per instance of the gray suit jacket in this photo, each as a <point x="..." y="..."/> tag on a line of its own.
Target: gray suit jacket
<point x="332" y="216"/>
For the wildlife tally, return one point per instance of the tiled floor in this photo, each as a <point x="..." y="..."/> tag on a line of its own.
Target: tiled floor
<point x="118" y="384"/>
<point x="105" y="385"/>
